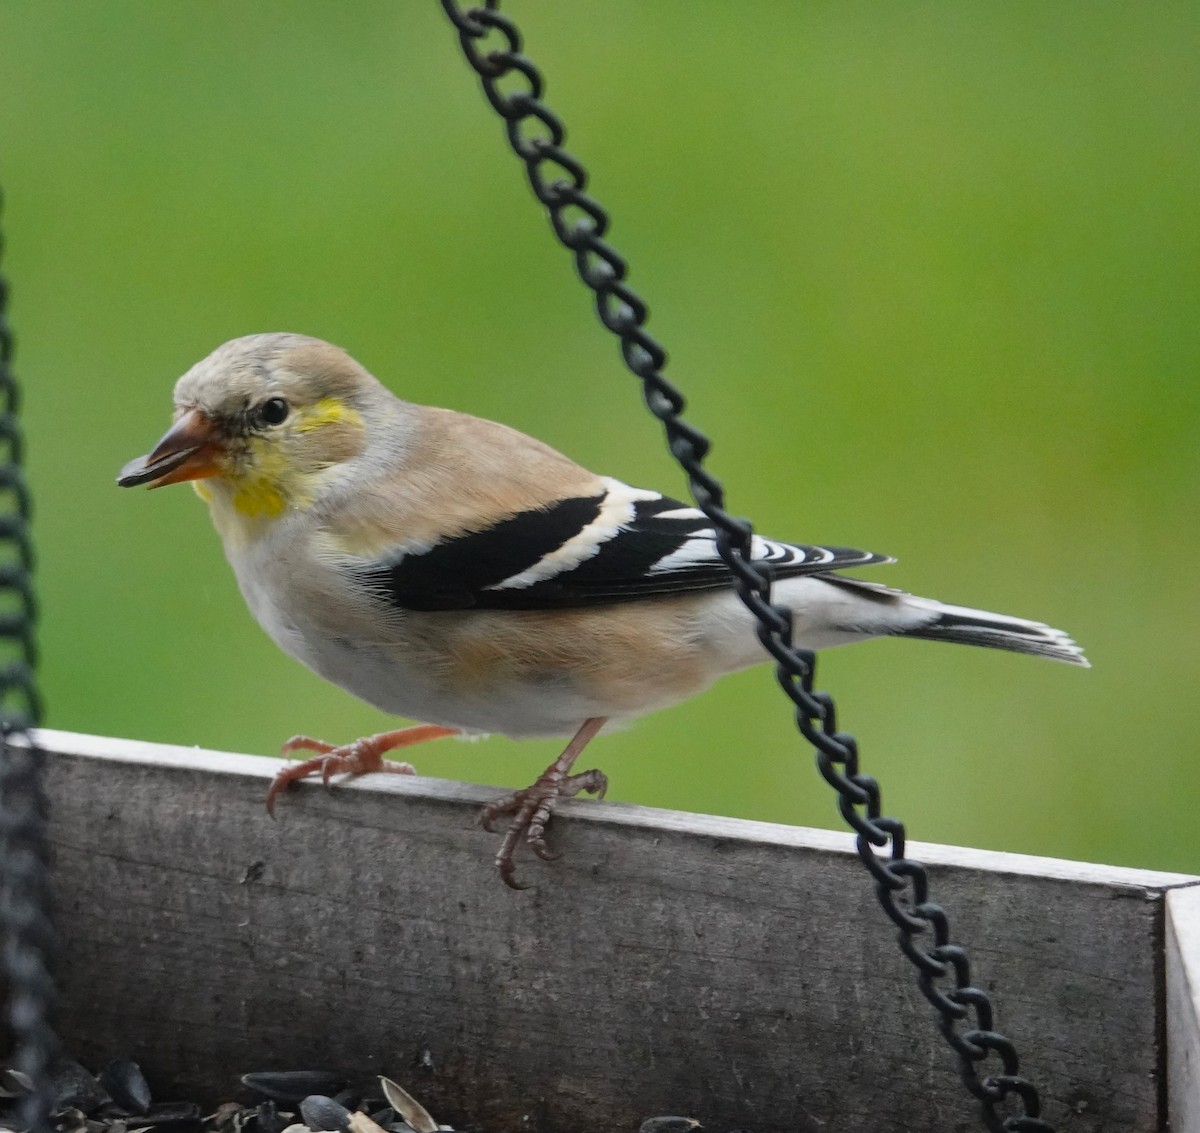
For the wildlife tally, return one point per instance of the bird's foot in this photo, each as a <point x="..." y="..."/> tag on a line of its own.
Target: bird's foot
<point x="361" y="757"/>
<point x="531" y="807"/>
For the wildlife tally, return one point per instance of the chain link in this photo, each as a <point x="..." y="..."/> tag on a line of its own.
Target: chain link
<point x="492" y="45"/>
<point x="24" y="851"/>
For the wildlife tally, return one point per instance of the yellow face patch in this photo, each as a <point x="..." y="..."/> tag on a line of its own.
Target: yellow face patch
<point x="327" y="411"/>
<point x="258" y="497"/>
<point x="281" y="468"/>
<point x="259" y="490"/>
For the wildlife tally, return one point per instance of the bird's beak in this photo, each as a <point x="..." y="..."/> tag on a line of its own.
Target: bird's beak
<point x="189" y="451"/>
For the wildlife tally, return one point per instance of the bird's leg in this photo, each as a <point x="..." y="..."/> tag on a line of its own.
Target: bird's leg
<point x="358" y="758"/>
<point x="531" y="807"/>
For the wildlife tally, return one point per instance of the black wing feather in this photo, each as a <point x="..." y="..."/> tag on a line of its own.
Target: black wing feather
<point x="452" y="575"/>
<point x="466" y="572"/>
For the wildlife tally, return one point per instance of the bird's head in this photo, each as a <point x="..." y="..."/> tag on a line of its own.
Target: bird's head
<point x="260" y="423"/>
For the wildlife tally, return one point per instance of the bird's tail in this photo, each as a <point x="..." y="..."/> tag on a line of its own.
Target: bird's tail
<point x="880" y="610"/>
<point x="996" y="631"/>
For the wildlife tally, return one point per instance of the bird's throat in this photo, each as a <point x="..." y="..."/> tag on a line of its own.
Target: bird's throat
<point x="258" y="498"/>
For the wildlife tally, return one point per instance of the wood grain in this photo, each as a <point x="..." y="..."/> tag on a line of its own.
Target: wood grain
<point x="738" y="972"/>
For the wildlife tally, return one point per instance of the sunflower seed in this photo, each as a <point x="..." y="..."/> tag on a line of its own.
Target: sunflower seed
<point x="323" y="1115"/>
<point x="126" y="1085"/>
<point x="408" y="1107"/>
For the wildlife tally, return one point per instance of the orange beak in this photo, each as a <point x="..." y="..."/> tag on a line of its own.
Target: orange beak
<point x="189" y="451"/>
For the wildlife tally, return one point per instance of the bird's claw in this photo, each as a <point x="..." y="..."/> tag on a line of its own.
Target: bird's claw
<point x="531" y="809"/>
<point x="305" y="743"/>
<point x="353" y="759"/>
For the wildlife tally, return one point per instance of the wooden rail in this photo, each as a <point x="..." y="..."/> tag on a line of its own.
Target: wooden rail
<point x="1183" y="1008"/>
<point x="739" y="972"/>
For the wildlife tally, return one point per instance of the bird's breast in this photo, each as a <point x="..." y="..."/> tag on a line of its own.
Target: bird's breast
<point x="517" y="673"/>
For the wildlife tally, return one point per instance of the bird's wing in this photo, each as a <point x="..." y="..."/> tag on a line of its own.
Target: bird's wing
<point x="617" y="545"/>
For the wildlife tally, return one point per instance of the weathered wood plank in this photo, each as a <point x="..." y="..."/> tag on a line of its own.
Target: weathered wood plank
<point x="741" y="972"/>
<point x="1183" y="1009"/>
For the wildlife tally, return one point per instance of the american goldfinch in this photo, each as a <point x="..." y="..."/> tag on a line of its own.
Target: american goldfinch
<point x="452" y="570"/>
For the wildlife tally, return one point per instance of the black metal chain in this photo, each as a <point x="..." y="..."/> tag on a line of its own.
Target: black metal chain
<point x="24" y="851"/>
<point x="492" y="45"/>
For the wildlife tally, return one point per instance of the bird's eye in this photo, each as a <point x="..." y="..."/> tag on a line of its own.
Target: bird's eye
<point x="273" y="411"/>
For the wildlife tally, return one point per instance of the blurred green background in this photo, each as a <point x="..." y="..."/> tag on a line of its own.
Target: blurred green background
<point x="927" y="272"/>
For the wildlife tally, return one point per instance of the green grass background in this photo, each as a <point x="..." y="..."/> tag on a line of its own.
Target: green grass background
<point x="927" y="272"/>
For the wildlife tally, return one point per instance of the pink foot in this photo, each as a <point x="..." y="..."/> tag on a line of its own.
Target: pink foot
<point x="362" y="757"/>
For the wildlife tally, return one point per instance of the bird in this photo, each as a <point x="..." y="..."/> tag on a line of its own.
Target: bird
<point x="453" y="571"/>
